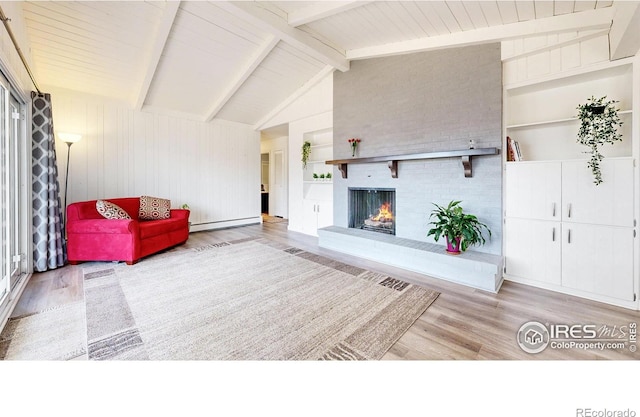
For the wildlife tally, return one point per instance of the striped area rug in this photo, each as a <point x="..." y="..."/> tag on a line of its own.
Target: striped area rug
<point x="246" y="300"/>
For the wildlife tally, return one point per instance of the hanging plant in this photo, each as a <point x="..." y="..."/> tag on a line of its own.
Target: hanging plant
<point x="306" y="151"/>
<point x="599" y="122"/>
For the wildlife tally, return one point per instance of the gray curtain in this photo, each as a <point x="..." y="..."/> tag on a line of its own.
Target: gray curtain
<point x="49" y="245"/>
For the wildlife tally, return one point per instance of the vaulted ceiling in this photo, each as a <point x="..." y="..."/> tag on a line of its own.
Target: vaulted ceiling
<point x="244" y="61"/>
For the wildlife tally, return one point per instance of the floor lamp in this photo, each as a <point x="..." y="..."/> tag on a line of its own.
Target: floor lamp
<point x="69" y="139"/>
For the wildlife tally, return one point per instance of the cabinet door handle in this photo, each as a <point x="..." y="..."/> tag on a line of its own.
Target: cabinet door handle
<point x="553" y="210"/>
<point x="318" y="208"/>
<point x="553" y="235"/>
<point x="568" y="235"/>
<point x="569" y="210"/>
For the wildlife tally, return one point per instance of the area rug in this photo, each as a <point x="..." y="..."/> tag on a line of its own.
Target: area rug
<point x="53" y="334"/>
<point x="252" y="299"/>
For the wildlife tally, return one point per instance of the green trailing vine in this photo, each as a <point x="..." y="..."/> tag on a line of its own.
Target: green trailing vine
<point x="599" y="123"/>
<point x="306" y="151"/>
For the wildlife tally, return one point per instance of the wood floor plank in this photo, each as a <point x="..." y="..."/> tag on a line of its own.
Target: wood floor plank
<point x="463" y="323"/>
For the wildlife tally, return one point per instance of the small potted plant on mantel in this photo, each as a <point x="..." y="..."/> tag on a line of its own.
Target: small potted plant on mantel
<point x="459" y="229"/>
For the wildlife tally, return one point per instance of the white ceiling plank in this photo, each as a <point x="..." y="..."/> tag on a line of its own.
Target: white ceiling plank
<point x="242" y="76"/>
<point x="562" y="7"/>
<point x="155" y="52"/>
<point x="293" y="97"/>
<point x="508" y="11"/>
<point x="426" y="7"/>
<point x="320" y="10"/>
<point x="474" y="10"/>
<point x="421" y="20"/>
<point x="603" y="3"/>
<point x="491" y="12"/>
<point x="589" y="20"/>
<point x="460" y="14"/>
<point x="446" y="16"/>
<point x="544" y="8"/>
<point x="526" y="10"/>
<point x="269" y="21"/>
<point x="583" y="5"/>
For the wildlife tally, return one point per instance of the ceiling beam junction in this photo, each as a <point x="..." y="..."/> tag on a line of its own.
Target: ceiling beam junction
<point x="260" y="16"/>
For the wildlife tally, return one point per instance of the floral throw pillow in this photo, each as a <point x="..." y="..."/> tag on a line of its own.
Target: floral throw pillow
<point x="154" y="208"/>
<point x="112" y="211"/>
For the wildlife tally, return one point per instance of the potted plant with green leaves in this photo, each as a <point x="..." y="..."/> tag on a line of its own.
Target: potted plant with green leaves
<point x="185" y="206"/>
<point x="306" y="151"/>
<point x="599" y="123"/>
<point x="459" y="229"/>
<point x="328" y="176"/>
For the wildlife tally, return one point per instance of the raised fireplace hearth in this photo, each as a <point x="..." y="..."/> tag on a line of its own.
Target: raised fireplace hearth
<point x="372" y="209"/>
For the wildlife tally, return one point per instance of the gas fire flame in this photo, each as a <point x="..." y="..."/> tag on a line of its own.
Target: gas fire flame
<point x="384" y="213"/>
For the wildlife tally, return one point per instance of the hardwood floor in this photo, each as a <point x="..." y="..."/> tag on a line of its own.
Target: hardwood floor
<point x="463" y="323"/>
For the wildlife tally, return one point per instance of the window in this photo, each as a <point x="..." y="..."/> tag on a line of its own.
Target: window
<point x="12" y="128"/>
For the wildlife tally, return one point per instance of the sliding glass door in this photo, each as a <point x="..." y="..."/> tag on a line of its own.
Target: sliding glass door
<point x="4" y="178"/>
<point x="11" y="125"/>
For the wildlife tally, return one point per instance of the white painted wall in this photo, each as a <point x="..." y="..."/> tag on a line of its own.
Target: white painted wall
<point x="312" y="112"/>
<point x="535" y="57"/>
<point x="317" y="100"/>
<point x="213" y="167"/>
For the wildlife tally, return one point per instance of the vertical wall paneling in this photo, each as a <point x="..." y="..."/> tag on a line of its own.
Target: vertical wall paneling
<point x="212" y="167"/>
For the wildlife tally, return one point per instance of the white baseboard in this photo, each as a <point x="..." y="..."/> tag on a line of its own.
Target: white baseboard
<point x="223" y="224"/>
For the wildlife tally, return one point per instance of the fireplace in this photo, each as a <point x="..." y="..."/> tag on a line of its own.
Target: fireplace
<point x="373" y="209"/>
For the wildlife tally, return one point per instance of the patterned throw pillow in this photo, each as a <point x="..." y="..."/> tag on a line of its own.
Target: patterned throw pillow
<point x="108" y="210"/>
<point x="153" y="208"/>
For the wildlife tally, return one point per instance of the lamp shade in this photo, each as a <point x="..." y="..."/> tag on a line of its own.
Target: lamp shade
<point x="69" y="137"/>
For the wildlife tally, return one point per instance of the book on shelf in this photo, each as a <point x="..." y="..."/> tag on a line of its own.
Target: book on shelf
<point x="513" y="150"/>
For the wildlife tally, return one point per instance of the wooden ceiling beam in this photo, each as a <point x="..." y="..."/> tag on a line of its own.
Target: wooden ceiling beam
<point x="155" y="52"/>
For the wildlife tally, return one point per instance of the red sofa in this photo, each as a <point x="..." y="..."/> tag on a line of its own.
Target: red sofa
<point x="91" y="237"/>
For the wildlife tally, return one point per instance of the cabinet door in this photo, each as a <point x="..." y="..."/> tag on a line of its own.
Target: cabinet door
<point x="532" y="190"/>
<point x="310" y="217"/>
<point x="598" y="259"/>
<point x="325" y="214"/>
<point x="533" y="250"/>
<point x="610" y="203"/>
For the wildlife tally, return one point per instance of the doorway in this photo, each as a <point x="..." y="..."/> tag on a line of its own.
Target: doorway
<point x="264" y="183"/>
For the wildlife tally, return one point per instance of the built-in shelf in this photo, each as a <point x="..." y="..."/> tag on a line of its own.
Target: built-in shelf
<point x="550" y="122"/>
<point x="392" y="161"/>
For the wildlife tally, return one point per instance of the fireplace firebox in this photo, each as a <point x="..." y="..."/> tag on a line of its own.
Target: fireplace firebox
<point x="373" y="209"/>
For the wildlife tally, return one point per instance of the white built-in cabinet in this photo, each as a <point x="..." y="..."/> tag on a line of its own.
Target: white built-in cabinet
<point x="561" y="231"/>
<point x="568" y="232"/>
<point x="317" y="203"/>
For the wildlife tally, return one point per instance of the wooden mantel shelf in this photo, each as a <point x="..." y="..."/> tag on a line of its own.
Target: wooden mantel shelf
<point x="392" y="161"/>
